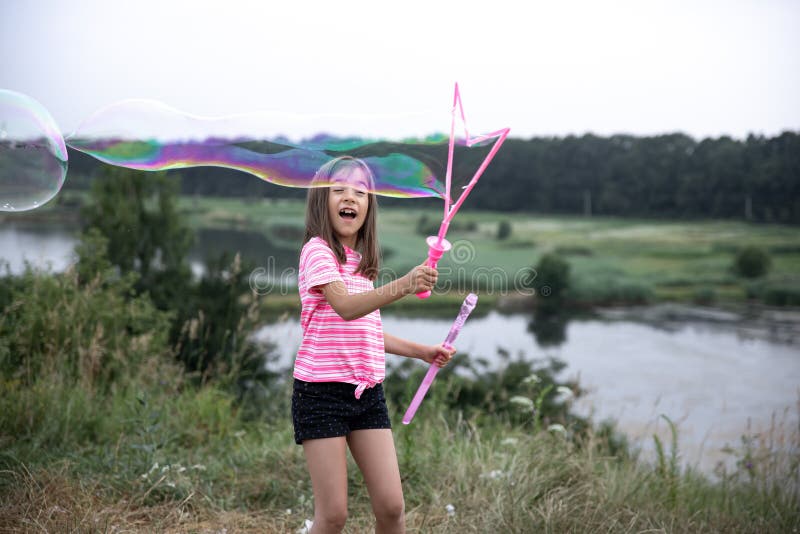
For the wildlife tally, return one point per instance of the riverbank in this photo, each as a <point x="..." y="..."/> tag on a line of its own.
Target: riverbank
<point x="747" y="321"/>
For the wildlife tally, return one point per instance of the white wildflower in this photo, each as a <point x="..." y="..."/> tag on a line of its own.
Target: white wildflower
<point x="155" y="466"/>
<point x="199" y="467"/>
<point x="509" y="441"/>
<point x="181" y="469"/>
<point x="532" y="379"/>
<point x="171" y="484"/>
<point x="288" y="511"/>
<point x="494" y="474"/>
<point x="557" y="428"/>
<point x="239" y="433"/>
<point x="306" y="528"/>
<point x="521" y="401"/>
<point x="565" y="393"/>
<point x="165" y="469"/>
<point x="450" y="509"/>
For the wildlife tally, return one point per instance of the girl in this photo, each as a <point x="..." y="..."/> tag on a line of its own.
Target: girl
<point x="338" y="399"/>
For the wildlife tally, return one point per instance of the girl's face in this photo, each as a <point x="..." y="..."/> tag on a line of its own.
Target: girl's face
<point x="348" y="203"/>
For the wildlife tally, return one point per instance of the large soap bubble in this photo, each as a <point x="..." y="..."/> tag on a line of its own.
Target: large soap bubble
<point x="33" y="157"/>
<point x="280" y="148"/>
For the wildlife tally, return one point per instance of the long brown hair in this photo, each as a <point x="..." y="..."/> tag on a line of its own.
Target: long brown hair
<point x="318" y="223"/>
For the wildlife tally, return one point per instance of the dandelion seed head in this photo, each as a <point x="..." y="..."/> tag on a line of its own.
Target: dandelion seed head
<point x="450" y="509"/>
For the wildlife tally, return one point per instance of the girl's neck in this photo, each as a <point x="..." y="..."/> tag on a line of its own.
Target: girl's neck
<point x="349" y="242"/>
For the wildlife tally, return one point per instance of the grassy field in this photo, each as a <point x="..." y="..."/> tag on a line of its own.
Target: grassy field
<point x="183" y="460"/>
<point x="610" y="258"/>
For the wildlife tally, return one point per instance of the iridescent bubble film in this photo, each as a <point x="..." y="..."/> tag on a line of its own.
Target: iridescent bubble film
<point x="149" y="135"/>
<point x="33" y="158"/>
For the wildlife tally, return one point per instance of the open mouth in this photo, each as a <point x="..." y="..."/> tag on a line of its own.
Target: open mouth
<point x="347" y="213"/>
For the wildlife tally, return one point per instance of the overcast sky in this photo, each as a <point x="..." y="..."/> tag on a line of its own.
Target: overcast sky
<point x="541" y="68"/>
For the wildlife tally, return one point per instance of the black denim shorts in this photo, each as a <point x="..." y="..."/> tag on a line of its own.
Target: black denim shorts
<point x="330" y="409"/>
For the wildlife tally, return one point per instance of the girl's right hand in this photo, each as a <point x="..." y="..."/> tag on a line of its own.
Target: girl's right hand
<point x="421" y="278"/>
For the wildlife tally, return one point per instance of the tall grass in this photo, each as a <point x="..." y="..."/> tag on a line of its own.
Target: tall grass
<point x="218" y="472"/>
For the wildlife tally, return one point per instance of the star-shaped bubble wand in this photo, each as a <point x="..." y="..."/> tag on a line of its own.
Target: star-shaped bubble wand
<point x="437" y="244"/>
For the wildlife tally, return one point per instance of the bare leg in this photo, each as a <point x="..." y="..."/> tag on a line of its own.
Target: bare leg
<point x="327" y="463"/>
<point x="374" y="452"/>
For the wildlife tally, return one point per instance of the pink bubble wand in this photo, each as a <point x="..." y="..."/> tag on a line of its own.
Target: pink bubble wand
<point x="437" y="244"/>
<point x="466" y="308"/>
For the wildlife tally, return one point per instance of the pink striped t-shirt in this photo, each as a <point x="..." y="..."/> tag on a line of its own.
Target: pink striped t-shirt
<point x="335" y="350"/>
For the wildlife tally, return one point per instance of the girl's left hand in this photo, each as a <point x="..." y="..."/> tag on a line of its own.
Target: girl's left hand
<point x="438" y="354"/>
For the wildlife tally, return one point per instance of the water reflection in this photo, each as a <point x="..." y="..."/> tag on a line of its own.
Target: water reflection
<point x="549" y="327"/>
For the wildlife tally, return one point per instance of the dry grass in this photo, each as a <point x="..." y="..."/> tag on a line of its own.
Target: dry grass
<point x="541" y="483"/>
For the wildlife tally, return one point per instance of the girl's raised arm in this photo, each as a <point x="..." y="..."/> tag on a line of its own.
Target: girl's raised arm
<point x="349" y="307"/>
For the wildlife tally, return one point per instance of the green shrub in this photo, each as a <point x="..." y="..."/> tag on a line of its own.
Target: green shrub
<point x="781" y="295"/>
<point x="466" y="385"/>
<point x="751" y="262"/>
<point x="704" y="295"/>
<point x="68" y="348"/>
<point x="503" y="230"/>
<point x="92" y="334"/>
<point x="608" y="291"/>
<point x="550" y="279"/>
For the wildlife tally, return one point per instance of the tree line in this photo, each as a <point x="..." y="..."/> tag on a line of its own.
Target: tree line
<point x="671" y="175"/>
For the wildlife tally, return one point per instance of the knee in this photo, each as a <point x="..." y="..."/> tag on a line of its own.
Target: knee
<point x="390" y="512"/>
<point x="331" y="520"/>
